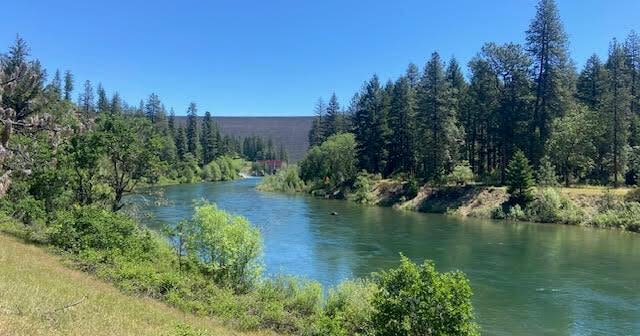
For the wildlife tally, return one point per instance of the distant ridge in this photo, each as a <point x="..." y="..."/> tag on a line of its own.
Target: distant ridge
<point x="292" y="132"/>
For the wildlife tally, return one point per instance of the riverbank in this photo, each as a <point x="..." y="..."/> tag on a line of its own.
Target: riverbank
<point x="39" y="295"/>
<point x="586" y="205"/>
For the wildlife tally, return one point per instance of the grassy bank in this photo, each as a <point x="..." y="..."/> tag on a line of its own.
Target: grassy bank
<point x="40" y="296"/>
<point x="582" y="205"/>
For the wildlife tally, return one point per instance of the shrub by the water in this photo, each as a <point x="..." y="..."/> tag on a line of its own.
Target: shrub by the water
<point x="550" y="206"/>
<point x="363" y="186"/>
<point x="461" y="174"/>
<point x="286" y="179"/>
<point x="417" y="300"/>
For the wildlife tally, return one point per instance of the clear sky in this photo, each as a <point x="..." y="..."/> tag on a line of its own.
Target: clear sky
<point x="272" y="57"/>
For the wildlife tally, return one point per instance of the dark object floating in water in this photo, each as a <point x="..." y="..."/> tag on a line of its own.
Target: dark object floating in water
<point x="334" y="213"/>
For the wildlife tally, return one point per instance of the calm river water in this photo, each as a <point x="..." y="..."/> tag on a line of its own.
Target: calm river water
<point x="527" y="279"/>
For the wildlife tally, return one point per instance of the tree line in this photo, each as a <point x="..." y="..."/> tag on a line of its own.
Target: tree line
<point x="56" y="152"/>
<point x="529" y="97"/>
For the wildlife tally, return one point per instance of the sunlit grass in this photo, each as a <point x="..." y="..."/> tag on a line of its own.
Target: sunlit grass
<point x="40" y="296"/>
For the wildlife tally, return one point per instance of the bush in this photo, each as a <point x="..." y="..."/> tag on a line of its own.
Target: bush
<point x="92" y="227"/>
<point x="549" y="206"/>
<point x="364" y="189"/>
<point x="332" y="163"/>
<point x="348" y="309"/>
<point x="227" y="246"/>
<point x="287" y="304"/>
<point x="546" y="174"/>
<point x="211" y="172"/>
<point x="287" y="179"/>
<point x="461" y="174"/>
<point x="626" y="216"/>
<point x="417" y="300"/>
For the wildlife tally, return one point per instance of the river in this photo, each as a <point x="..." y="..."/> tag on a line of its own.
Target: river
<point x="527" y="279"/>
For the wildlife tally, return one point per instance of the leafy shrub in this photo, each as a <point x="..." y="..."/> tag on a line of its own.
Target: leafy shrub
<point x="348" y="309"/>
<point x="364" y="189"/>
<point x="549" y="206"/>
<point x="332" y="163"/>
<point x="626" y="216"/>
<point x="417" y="300"/>
<point x="287" y="179"/>
<point x="412" y="188"/>
<point x="92" y="227"/>
<point x="187" y="330"/>
<point x="287" y="304"/>
<point x="461" y="174"/>
<point x="211" y="172"/>
<point x="226" y="245"/>
<point x="546" y="174"/>
<point x="516" y="213"/>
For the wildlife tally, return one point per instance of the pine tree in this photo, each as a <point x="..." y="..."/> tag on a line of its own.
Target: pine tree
<point x="103" y="105"/>
<point x="181" y="143"/>
<point x="192" y="129"/>
<point x="85" y="101"/>
<point x="402" y="124"/>
<point x="547" y="44"/>
<point x="480" y="122"/>
<point x="520" y="179"/>
<point x="172" y="121"/>
<point x="333" y="122"/>
<point x="370" y="128"/>
<point x="591" y="83"/>
<point x="437" y="122"/>
<point x="26" y="76"/>
<point x="458" y="86"/>
<point x="68" y="85"/>
<point x="413" y="75"/>
<point x="208" y="139"/>
<point x="511" y="65"/>
<point x="116" y="104"/>
<point x="317" y="132"/>
<point x="153" y="107"/>
<point x="617" y="106"/>
<point x="56" y="85"/>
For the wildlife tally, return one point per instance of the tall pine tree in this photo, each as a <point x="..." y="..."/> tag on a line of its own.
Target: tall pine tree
<point x="547" y="44"/>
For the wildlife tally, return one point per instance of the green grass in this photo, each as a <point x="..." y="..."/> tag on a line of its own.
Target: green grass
<point x="41" y="296"/>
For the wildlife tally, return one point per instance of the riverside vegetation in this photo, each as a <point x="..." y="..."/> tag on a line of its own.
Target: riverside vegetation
<point x="524" y="116"/>
<point x="66" y="168"/>
<point x="525" y="198"/>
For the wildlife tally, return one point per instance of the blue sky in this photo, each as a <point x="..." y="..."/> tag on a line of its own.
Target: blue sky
<point x="277" y="57"/>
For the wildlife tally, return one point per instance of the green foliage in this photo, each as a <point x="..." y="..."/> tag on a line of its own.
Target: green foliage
<point x="417" y="300"/>
<point x="364" y="188"/>
<point x="348" y="309"/>
<point x="550" y="206"/>
<point x="227" y="247"/>
<point x="519" y="179"/>
<point x="187" y="330"/>
<point x="287" y="179"/>
<point x="92" y="227"/>
<point x="625" y="216"/>
<point x="461" y="174"/>
<point x="546" y="174"/>
<point x="211" y="172"/>
<point x="333" y="163"/>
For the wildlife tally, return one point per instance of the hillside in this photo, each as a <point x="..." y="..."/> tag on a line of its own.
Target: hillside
<point x="40" y="296"/>
<point x="292" y="132"/>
